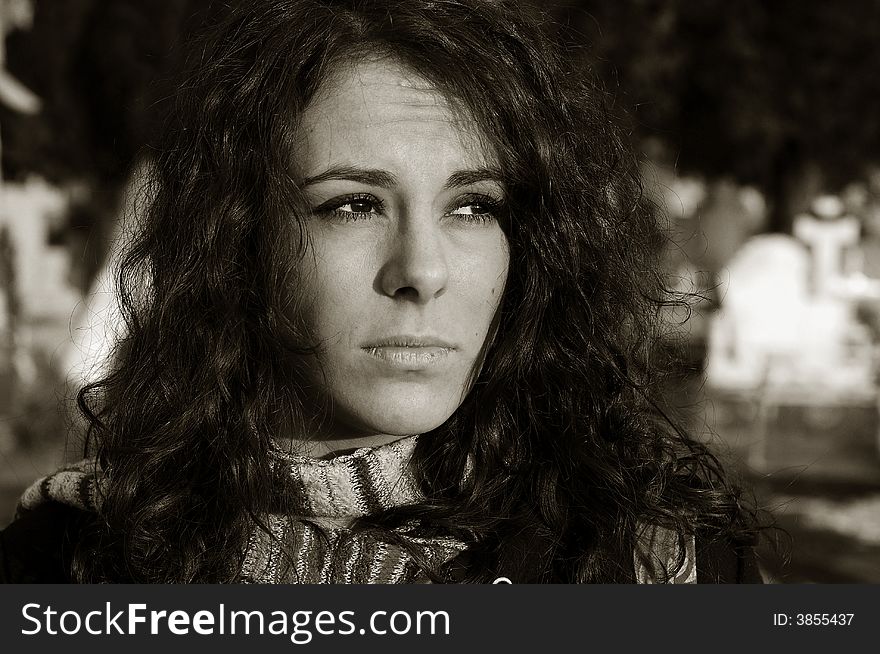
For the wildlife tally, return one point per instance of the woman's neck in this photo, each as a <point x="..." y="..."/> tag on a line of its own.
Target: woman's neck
<point x="323" y="437"/>
<point x="326" y="448"/>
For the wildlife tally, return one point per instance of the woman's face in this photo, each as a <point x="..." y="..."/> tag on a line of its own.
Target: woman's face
<point x="408" y="259"/>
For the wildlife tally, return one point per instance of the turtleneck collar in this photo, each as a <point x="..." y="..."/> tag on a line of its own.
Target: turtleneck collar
<point x="366" y="481"/>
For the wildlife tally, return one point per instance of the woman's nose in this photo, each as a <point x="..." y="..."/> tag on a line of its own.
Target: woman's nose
<point x="416" y="266"/>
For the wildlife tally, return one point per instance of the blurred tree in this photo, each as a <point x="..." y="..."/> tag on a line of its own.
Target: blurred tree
<point x="770" y="93"/>
<point x="775" y="94"/>
<point x="100" y="68"/>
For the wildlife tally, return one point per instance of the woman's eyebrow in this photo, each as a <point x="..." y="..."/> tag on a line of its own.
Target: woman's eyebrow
<point x="385" y="179"/>
<point x="370" y="177"/>
<point x="467" y="177"/>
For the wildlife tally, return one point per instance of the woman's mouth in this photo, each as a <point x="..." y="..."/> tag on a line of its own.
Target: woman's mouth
<point x="410" y="352"/>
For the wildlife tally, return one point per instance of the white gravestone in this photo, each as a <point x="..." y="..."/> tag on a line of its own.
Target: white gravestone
<point x="763" y="302"/>
<point x="829" y="238"/>
<point x="784" y="326"/>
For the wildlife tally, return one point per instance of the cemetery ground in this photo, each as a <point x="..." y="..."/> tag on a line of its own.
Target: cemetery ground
<point x="831" y="531"/>
<point x="817" y="469"/>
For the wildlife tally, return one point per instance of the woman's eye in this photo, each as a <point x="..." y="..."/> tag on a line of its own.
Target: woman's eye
<point x="476" y="211"/>
<point x="357" y="206"/>
<point x="351" y="207"/>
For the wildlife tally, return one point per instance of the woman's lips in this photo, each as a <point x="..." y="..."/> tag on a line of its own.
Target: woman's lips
<point x="409" y="353"/>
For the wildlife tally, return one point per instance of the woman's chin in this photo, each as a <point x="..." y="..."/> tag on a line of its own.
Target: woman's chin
<point x="366" y="405"/>
<point x="400" y="419"/>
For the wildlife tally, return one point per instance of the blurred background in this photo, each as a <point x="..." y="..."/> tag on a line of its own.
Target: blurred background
<point x="759" y="126"/>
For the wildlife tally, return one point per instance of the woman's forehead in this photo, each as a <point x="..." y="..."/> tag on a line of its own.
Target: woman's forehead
<point x="383" y="104"/>
<point x="385" y="80"/>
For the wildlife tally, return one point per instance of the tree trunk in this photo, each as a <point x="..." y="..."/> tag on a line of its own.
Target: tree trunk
<point x="794" y="185"/>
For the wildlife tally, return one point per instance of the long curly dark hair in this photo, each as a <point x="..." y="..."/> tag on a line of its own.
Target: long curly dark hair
<point x="569" y="453"/>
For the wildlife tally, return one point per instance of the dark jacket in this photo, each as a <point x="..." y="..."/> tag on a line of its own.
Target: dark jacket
<point x="38" y="548"/>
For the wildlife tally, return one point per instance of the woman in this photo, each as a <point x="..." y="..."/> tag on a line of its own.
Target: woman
<point x="389" y="318"/>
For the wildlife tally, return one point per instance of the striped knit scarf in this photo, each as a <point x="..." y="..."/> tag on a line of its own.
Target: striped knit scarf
<point x="316" y="545"/>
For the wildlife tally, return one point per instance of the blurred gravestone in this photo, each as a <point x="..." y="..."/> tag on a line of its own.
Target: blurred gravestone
<point x="831" y="236"/>
<point x="788" y="343"/>
<point x="764" y="297"/>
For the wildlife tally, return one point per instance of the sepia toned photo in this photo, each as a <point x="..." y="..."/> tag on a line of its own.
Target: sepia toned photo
<point x="439" y="291"/>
